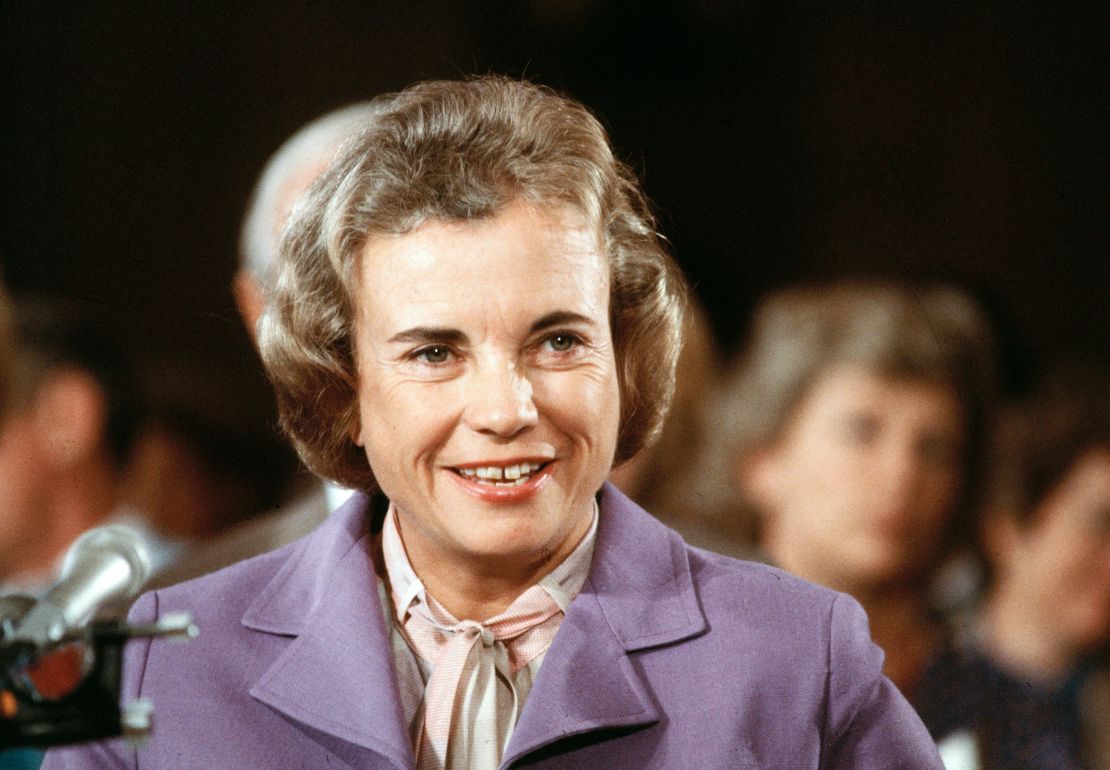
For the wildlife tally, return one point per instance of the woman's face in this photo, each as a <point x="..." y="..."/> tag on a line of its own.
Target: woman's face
<point x="1061" y="561"/>
<point x="487" y="385"/>
<point x="859" y="487"/>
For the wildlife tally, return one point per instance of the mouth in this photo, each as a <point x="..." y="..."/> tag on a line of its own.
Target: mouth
<point x="504" y="476"/>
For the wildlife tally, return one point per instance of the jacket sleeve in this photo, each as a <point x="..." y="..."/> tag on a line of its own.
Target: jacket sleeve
<point x="115" y="753"/>
<point x="868" y="723"/>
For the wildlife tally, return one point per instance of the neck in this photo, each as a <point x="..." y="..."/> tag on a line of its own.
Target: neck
<point x="1021" y="641"/>
<point x="471" y="596"/>
<point x="479" y="588"/>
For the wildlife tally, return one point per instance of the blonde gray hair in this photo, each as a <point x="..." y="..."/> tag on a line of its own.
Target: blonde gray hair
<point x="459" y="151"/>
<point x="307" y="151"/>
<point x="933" y="334"/>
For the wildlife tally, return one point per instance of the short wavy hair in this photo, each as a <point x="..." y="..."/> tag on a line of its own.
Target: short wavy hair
<point x="1039" y="439"/>
<point x="460" y="151"/>
<point x="306" y="152"/>
<point x="924" y="333"/>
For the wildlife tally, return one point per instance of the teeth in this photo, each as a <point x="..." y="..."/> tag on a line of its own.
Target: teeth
<point x="514" y="475"/>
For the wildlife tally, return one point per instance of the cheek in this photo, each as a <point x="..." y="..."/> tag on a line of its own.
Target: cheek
<point x="940" y="492"/>
<point x="399" y="424"/>
<point x="1072" y="560"/>
<point x="826" y="473"/>
<point x="585" y="404"/>
<point x="1075" y="585"/>
<point x="807" y="490"/>
<point x="1053" y="567"/>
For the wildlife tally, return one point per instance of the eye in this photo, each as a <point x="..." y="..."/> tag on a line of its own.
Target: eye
<point x="562" y="342"/>
<point x="861" y="428"/>
<point x="433" y="354"/>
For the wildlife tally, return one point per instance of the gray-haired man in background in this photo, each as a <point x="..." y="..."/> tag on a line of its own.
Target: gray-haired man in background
<point x="287" y="174"/>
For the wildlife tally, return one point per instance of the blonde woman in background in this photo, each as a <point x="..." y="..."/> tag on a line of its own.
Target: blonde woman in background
<point x="852" y="427"/>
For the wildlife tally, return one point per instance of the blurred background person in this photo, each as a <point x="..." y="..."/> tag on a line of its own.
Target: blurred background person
<point x="193" y="473"/>
<point x="664" y="477"/>
<point x="65" y="435"/>
<point x="290" y="171"/>
<point x="1028" y="677"/>
<point x="286" y="175"/>
<point x="852" y="427"/>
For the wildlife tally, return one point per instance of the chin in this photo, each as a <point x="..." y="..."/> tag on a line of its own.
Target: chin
<point x="510" y="539"/>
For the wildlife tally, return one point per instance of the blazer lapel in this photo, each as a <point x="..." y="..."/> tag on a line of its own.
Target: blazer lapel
<point x="336" y="677"/>
<point x="639" y="595"/>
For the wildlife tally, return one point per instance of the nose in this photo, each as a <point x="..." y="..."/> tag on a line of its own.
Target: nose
<point x="500" y="399"/>
<point x="900" y="467"/>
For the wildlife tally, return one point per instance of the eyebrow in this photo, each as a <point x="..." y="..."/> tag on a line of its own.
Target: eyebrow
<point x="428" y="334"/>
<point x="559" y="318"/>
<point x="424" y="334"/>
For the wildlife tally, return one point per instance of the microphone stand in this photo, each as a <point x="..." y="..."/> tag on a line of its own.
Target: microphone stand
<point x="91" y="709"/>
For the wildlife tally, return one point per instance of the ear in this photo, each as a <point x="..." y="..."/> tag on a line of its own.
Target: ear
<point x="69" y="412"/>
<point x="249" y="299"/>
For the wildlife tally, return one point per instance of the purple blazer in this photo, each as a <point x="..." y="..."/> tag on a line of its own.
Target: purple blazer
<point x="669" y="657"/>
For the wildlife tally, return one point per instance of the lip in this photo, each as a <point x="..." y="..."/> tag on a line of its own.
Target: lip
<point x="503" y="495"/>
<point x="504" y="462"/>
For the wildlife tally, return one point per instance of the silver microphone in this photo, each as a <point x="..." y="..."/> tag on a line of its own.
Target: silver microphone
<point x="104" y="565"/>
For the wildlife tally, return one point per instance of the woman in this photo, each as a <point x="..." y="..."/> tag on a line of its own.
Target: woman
<point x="476" y="319"/>
<point x="856" y="419"/>
<point x="1028" y="679"/>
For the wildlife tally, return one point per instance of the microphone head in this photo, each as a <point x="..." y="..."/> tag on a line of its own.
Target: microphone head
<point x="106" y="564"/>
<point x="111" y="540"/>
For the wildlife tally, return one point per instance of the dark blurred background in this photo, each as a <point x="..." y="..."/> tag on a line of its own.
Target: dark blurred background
<point x="780" y="141"/>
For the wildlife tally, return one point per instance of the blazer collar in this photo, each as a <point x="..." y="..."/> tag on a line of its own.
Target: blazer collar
<point x="640" y="594"/>
<point x="337" y="675"/>
<point x="641" y="577"/>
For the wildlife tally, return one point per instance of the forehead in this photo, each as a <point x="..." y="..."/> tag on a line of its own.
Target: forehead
<point x="525" y="259"/>
<point x="850" y="386"/>
<point x="1080" y="497"/>
<point x="1089" y="475"/>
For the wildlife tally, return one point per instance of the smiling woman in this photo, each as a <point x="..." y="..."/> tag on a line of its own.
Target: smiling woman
<point x="474" y="320"/>
<point x="422" y="162"/>
<point x="493" y="335"/>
